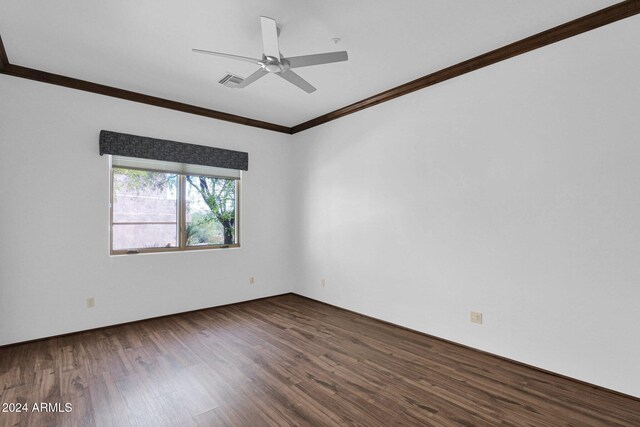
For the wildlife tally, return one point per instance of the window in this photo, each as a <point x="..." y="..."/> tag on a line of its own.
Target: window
<point x="162" y="206"/>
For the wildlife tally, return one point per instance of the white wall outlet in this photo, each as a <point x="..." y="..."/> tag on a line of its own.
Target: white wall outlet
<point x="322" y="282"/>
<point x="252" y="280"/>
<point x="91" y="302"/>
<point x="476" y="317"/>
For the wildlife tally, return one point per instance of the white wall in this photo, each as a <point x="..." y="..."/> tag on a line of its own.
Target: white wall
<point x="513" y="190"/>
<point x="54" y="227"/>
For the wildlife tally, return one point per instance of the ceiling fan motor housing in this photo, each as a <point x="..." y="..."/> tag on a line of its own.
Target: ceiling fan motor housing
<point x="273" y="65"/>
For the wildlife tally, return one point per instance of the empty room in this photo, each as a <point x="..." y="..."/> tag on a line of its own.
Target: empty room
<point x="318" y="213"/>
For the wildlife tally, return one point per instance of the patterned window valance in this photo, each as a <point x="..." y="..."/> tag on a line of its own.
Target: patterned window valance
<point x="122" y="144"/>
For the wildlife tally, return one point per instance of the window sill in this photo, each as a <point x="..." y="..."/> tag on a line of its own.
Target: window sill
<point x="173" y="250"/>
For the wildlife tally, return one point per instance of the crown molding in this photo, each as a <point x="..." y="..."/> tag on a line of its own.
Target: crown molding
<point x="573" y="28"/>
<point x="611" y="14"/>
<point x="56" y="79"/>
<point x="4" y="60"/>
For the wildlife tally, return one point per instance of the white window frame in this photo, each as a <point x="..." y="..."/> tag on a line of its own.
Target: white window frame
<point x="181" y="170"/>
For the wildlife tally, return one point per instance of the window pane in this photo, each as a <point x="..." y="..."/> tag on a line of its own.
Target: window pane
<point x="145" y="209"/>
<point x="210" y="211"/>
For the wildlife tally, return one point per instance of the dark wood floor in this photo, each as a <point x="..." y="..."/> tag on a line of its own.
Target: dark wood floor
<point x="286" y="361"/>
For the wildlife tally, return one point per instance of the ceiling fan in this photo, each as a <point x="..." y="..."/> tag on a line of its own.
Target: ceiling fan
<point x="273" y="62"/>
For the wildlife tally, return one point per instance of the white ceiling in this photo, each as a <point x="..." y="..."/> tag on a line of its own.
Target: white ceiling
<point x="145" y="45"/>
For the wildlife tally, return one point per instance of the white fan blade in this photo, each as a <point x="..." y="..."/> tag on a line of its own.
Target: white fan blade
<point x="270" y="37"/>
<point x="292" y="77"/>
<point x="226" y="55"/>
<point x="320" y="58"/>
<point x="253" y="77"/>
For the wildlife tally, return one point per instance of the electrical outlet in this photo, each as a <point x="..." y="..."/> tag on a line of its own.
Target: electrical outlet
<point x="322" y="282"/>
<point x="476" y="317"/>
<point x="251" y="280"/>
<point x="91" y="302"/>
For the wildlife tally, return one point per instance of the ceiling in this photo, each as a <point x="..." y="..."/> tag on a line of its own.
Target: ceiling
<point x="145" y="46"/>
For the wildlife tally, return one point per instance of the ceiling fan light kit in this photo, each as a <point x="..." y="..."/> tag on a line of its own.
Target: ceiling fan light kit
<point x="272" y="61"/>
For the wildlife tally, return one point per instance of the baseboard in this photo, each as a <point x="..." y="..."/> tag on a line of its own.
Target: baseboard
<point x="497" y="356"/>
<point x="139" y="320"/>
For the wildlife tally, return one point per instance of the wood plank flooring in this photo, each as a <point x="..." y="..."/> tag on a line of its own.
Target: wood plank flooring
<point x="281" y="361"/>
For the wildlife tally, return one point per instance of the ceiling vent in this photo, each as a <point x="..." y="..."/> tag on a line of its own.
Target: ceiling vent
<point x="231" y="80"/>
